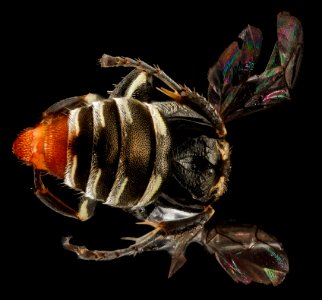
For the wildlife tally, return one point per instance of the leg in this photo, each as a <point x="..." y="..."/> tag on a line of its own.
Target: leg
<point x="65" y="105"/>
<point x="86" y="205"/>
<point x="180" y="93"/>
<point x="172" y="236"/>
<point x="108" y="61"/>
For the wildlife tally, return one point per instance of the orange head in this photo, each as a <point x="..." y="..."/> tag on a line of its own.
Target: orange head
<point x="44" y="146"/>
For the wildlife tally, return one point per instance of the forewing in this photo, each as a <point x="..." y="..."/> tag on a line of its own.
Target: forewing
<point x="290" y="46"/>
<point x="233" y="68"/>
<point x="273" y="86"/>
<point x="236" y="93"/>
<point x="248" y="254"/>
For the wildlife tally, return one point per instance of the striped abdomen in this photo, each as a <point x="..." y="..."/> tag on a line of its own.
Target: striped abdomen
<point x="118" y="152"/>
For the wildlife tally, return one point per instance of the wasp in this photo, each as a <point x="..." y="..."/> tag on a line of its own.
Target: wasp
<point x="166" y="160"/>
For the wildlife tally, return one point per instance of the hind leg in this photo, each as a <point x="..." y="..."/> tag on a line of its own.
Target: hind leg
<point x="86" y="205"/>
<point x="174" y="231"/>
<point x="179" y="93"/>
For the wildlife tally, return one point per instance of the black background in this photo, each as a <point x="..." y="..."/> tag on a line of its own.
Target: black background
<point x="51" y="52"/>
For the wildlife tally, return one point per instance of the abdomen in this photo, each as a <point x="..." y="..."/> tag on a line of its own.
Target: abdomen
<point x="118" y="152"/>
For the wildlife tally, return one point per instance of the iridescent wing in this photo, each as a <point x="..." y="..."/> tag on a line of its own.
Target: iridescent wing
<point x="231" y="88"/>
<point x="247" y="254"/>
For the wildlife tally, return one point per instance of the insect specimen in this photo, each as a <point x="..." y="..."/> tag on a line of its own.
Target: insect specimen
<point x="166" y="161"/>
